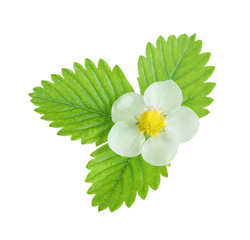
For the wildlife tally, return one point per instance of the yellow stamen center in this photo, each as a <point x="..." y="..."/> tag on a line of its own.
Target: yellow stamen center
<point x="151" y="122"/>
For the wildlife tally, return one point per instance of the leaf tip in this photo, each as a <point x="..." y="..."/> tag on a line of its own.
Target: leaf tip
<point x="100" y="209"/>
<point x="76" y="65"/>
<point x="89" y="164"/>
<point x="160" y="38"/>
<point x="212" y="68"/>
<point x="150" y="45"/>
<point x="143" y="193"/>
<point x="204" y="113"/>
<point x="141" y="60"/>
<point x="61" y="133"/>
<point x="88" y="178"/>
<point x="53" y="75"/>
<point x="193" y="36"/>
<point x="116" y="68"/>
<point x="101" y="63"/>
<point x="88" y="62"/>
<point x="160" y="41"/>
<point x="90" y="192"/>
<point x="85" y="180"/>
<point x="112" y="210"/>
<point x="44" y="83"/>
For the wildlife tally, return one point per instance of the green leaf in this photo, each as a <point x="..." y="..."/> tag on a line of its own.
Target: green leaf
<point x="80" y="102"/>
<point x="117" y="179"/>
<point x="179" y="59"/>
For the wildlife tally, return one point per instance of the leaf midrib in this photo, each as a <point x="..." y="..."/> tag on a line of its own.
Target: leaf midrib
<point x="110" y="191"/>
<point x="179" y="62"/>
<point x="76" y="106"/>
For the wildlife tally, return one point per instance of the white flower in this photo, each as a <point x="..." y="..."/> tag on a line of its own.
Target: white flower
<point x="152" y="125"/>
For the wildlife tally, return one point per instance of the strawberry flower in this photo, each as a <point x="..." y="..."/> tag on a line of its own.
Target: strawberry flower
<point x="152" y="125"/>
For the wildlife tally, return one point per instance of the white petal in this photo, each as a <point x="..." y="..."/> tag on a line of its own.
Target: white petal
<point x="125" y="140"/>
<point x="166" y="95"/>
<point x="126" y="107"/>
<point x="184" y="123"/>
<point x="160" y="150"/>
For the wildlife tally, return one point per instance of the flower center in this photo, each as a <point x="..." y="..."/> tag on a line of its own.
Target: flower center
<point x="151" y="122"/>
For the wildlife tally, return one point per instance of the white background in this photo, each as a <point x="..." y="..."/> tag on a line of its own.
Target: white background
<point x="42" y="188"/>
